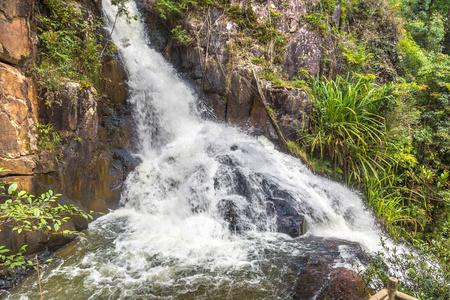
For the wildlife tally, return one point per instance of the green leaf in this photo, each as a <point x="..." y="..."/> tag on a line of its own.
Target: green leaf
<point x="12" y="188"/>
<point x="56" y="226"/>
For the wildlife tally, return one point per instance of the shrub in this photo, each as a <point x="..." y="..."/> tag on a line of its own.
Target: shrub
<point x="424" y="274"/>
<point x="347" y="127"/>
<point x="25" y="212"/>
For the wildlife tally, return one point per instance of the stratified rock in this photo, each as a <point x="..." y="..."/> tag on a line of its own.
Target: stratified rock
<point x="24" y="165"/>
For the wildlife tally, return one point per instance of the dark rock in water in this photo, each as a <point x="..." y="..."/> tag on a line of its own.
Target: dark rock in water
<point x="288" y="220"/>
<point x="229" y="211"/>
<point x="126" y="158"/>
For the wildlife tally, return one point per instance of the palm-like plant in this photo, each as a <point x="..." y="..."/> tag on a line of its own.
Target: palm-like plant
<point x="347" y="126"/>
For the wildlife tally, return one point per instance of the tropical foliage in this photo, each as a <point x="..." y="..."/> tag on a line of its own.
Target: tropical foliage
<point x="347" y="126"/>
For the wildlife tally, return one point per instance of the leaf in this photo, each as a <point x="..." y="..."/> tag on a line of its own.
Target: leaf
<point x="12" y="188"/>
<point x="37" y="212"/>
<point x="56" y="226"/>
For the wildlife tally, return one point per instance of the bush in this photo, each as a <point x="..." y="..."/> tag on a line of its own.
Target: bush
<point x="424" y="274"/>
<point x="347" y="126"/>
<point x="25" y="212"/>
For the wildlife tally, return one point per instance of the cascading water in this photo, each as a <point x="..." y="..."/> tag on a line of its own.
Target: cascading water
<point x="170" y="240"/>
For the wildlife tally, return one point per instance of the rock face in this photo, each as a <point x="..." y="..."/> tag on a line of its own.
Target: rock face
<point x="16" y="45"/>
<point x="227" y="81"/>
<point x="18" y="113"/>
<point x="304" y="52"/>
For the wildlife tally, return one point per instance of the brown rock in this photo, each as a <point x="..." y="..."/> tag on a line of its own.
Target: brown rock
<point x="18" y="113"/>
<point x="258" y="117"/>
<point x="214" y="80"/>
<point x="24" y="165"/>
<point x="219" y="105"/>
<point x="25" y="183"/>
<point x="344" y="284"/>
<point x="15" y="42"/>
<point x="115" y="85"/>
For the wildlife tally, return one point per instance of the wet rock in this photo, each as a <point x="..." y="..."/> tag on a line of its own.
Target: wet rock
<point x="288" y="220"/>
<point x="319" y="279"/>
<point x="218" y="105"/>
<point x="129" y="161"/>
<point x="344" y="284"/>
<point x="260" y="123"/>
<point x="215" y="79"/>
<point x="115" y="85"/>
<point x="239" y="97"/>
<point x="229" y="212"/>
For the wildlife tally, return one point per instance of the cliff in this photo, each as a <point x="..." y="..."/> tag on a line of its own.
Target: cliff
<point x="251" y="60"/>
<point x="70" y="137"/>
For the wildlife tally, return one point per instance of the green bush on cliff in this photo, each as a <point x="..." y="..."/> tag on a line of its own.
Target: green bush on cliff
<point x="71" y="47"/>
<point x="347" y="126"/>
<point x="22" y="211"/>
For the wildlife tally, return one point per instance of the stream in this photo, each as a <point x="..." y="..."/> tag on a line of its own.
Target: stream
<point x="194" y="221"/>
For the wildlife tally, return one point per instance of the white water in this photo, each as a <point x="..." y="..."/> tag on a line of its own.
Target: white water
<point x="169" y="241"/>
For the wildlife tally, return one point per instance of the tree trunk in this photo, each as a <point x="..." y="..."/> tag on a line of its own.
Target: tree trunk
<point x="446" y="43"/>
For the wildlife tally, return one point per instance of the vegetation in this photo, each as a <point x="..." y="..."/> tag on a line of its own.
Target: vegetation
<point x="348" y="127"/>
<point x="380" y="123"/>
<point x="70" y="45"/>
<point x="70" y="42"/>
<point x="422" y="274"/>
<point x="49" y="139"/>
<point x="22" y="211"/>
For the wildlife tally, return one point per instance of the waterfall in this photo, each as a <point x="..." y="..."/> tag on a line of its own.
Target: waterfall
<point x="170" y="240"/>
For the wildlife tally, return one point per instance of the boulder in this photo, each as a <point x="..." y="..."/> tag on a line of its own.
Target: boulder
<point x="288" y="220"/>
